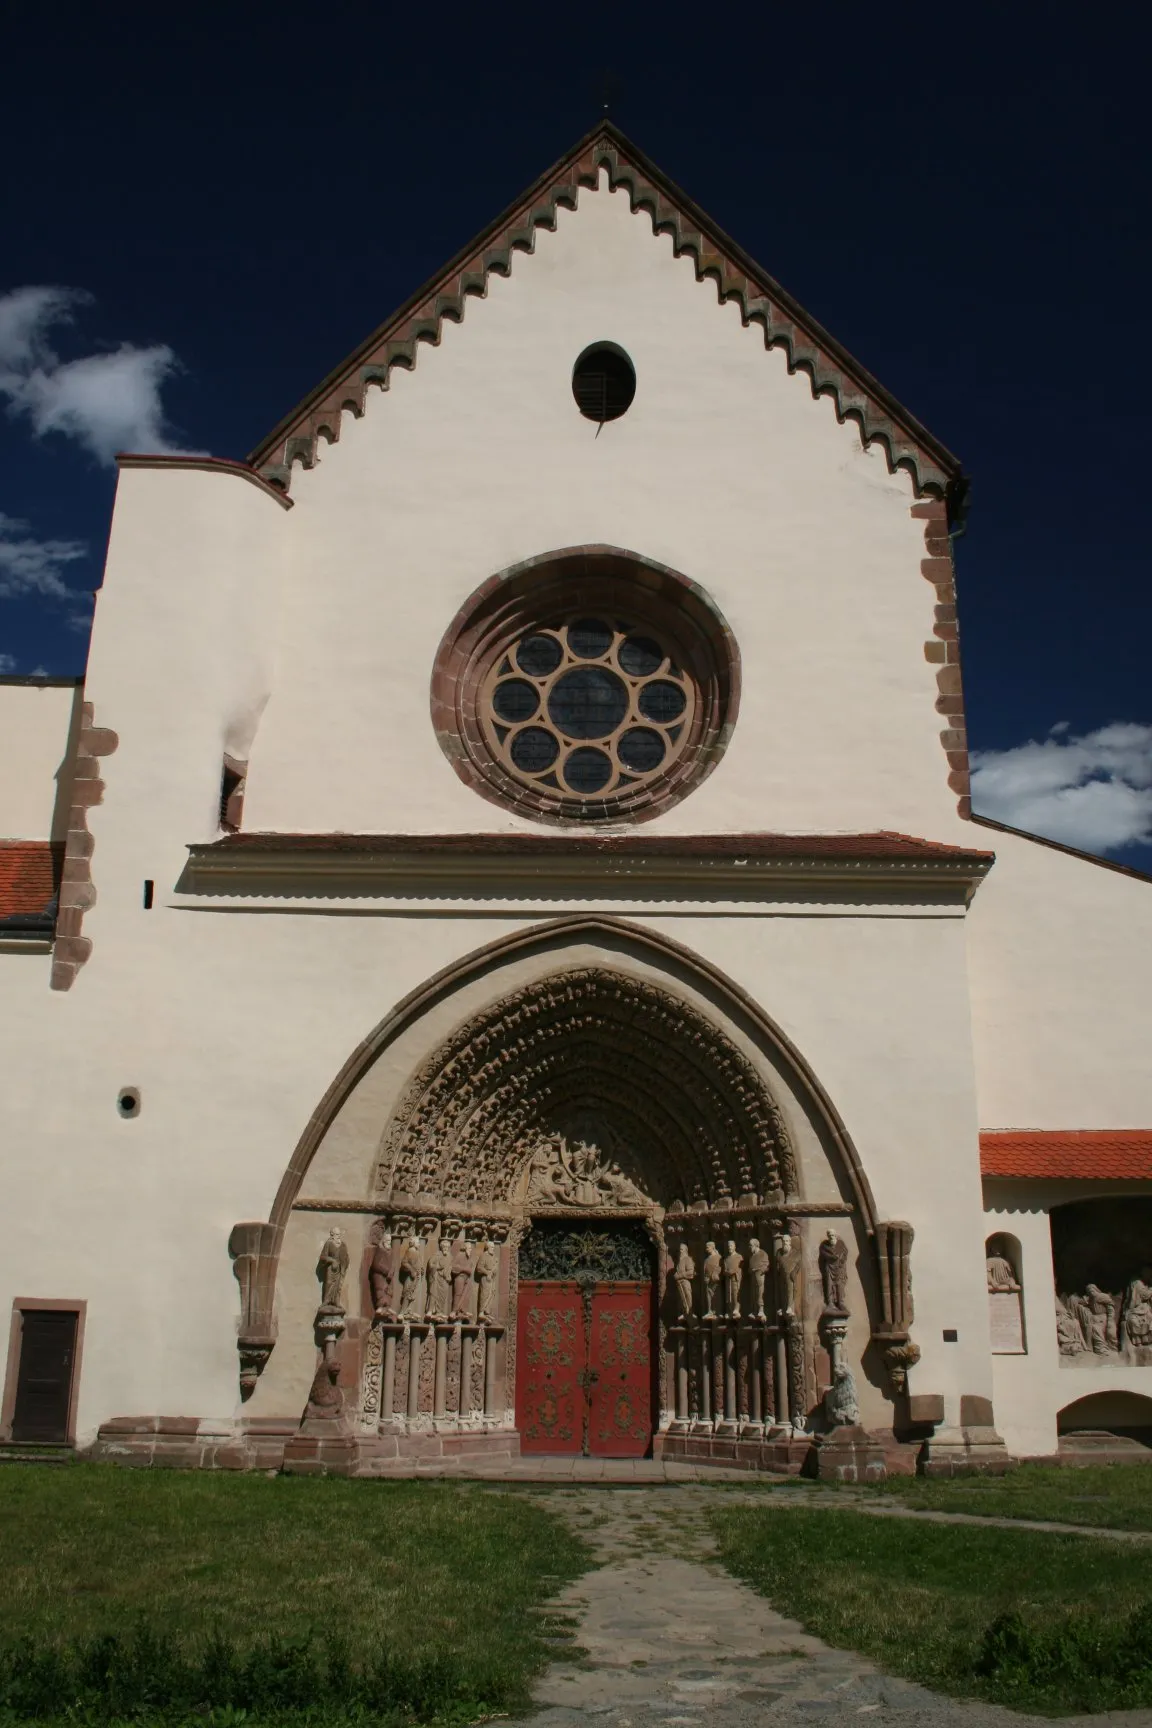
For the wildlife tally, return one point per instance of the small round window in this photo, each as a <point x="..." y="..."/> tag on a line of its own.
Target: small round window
<point x="603" y="382"/>
<point x="590" y="706"/>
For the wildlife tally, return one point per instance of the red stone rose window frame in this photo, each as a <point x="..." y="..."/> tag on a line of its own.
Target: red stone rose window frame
<point x="585" y="687"/>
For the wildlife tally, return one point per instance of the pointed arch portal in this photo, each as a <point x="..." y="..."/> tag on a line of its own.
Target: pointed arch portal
<point x="585" y="1102"/>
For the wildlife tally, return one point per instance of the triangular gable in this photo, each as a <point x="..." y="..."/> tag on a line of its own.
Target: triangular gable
<point x="832" y="370"/>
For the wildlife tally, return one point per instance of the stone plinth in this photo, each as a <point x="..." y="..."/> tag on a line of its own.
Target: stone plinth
<point x="848" y="1454"/>
<point x="976" y="1451"/>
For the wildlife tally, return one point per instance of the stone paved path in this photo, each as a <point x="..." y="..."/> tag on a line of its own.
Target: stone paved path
<point x="672" y="1639"/>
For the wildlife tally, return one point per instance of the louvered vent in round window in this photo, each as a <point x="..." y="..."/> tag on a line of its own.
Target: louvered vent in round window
<point x="603" y="382"/>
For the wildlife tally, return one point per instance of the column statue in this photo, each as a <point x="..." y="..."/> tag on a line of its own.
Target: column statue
<point x="331" y="1270"/>
<point x="712" y="1270"/>
<point x="685" y="1276"/>
<point x="733" y="1271"/>
<point x="759" y="1265"/>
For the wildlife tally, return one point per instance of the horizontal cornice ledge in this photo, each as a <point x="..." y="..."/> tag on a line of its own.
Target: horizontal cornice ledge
<point x="476" y="866"/>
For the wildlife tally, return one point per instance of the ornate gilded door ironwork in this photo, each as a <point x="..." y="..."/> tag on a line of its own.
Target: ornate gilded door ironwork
<point x="584" y="1354"/>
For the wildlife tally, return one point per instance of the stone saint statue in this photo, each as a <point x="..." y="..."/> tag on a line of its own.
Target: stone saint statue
<point x="712" y="1270"/>
<point x="789" y="1270"/>
<point x="439" y="1275"/>
<point x="733" y="1271"/>
<point x="1001" y="1273"/>
<point x="380" y="1276"/>
<point x="833" y="1262"/>
<point x="332" y="1269"/>
<point x="487" y="1272"/>
<point x="461" y="1279"/>
<point x="409" y="1274"/>
<point x="685" y="1275"/>
<point x="1069" y="1337"/>
<point x="1138" y="1311"/>
<point x="759" y="1265"/>
<point x="1101" y="1321"/>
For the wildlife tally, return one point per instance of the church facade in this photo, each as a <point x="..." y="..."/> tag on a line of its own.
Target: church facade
<point x="496" y="956"/>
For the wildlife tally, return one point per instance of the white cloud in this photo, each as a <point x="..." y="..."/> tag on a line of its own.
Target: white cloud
<point x="30" y="566"/>
<point x="107" y="402"/>
<point x="7" y="663"/>
<point x="1094" y="791"/>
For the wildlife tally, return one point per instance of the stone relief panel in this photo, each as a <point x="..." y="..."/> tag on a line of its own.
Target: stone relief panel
<point x="1102" y="1260"/>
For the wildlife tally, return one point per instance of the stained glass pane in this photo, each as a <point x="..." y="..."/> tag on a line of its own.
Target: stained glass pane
<point x="641" y="749"/>
<point x="639" y="656"/>
<point x="515" y="699"/>
<point x="661" y="701"/>
<point x="539" y="655"/>
<point x="534" y="749"/>
<point x="587" y="770"/>
<point x="589" y="702"/>
<point x="589" y="638"/>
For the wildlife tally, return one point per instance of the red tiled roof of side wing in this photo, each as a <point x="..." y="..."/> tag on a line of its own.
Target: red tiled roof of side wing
<point x="1100" y="1154"/>
<point x="29" y="876"/>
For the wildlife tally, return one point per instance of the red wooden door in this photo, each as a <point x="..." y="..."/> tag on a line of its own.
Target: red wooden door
<point x="620" y="1360"/>
<point x="584" y="1372"/>
<point x="551" y="1358"/>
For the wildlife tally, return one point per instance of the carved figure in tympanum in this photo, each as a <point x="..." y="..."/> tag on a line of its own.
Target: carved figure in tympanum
<point x="1096" y="1312"/>
<point x="759" y="1265"/>
<point x="487" y="1274"/>
<point x="1138" y="1311"/>
<point x="332" y="1269"/>
<point x="461" y="1279"/>
<point x="685" y="1277"/>
<point x="733" y="1272"/>
<point x="1070" y="1338"/>
<point x="833" y="1262"/>
<point x="409" y="1277"/>
<point x="438" y="1273"/>
<point x="713" y="1268"/>
<point x="380" y="1271"/>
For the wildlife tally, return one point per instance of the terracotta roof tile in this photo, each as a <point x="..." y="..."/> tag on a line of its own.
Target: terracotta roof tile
<point x="1101" y="1154"/>
<point x="29" y="877"/>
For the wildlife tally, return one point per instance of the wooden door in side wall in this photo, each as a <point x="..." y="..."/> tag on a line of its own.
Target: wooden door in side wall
<point x="44" y="1376"/>
<point x="551" y="1359"/>
<point x="620" y="1379"/>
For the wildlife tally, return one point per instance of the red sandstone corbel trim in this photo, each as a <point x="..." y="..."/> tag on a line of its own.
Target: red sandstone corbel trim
<point x="943" y="648"/>
<point x="208" y="465"/>
<point x="77" y="893"/>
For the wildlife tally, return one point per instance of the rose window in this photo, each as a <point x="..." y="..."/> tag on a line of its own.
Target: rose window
<point x="585" y="686"/>
<point x="590" y="707"/>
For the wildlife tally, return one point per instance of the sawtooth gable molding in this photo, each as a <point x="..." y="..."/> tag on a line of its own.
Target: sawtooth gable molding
<point x="832" y="371"/>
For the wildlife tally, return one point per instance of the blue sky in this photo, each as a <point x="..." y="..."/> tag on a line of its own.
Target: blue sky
<point x="217" y="204"/>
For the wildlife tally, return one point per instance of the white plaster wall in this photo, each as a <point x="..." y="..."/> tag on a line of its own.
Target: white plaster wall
<point x="233" y="1024"/>
<point x="725" y="468"/>
<point x="1032" y="1389"/>
<point x="1060" y="961"/>
<point x="36" y="726"/>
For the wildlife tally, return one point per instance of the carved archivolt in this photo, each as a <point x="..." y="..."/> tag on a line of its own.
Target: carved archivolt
<point x="594" y="1056"/>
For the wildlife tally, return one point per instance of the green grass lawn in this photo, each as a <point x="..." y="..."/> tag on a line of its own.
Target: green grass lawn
<point x="919" y="1599"/>
<point x="445" y="1578"/>
<point x="1118" y="1496"/>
